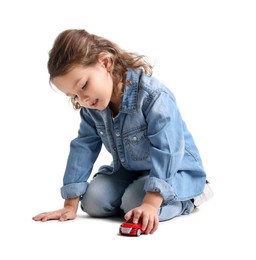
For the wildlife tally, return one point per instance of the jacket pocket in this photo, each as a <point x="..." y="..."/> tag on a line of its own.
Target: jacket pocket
<point x="136" y="143"/>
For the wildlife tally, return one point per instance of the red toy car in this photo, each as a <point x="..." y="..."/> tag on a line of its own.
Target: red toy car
<point x="131" y="229"/>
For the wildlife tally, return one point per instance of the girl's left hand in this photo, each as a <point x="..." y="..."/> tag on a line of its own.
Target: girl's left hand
<point x="148" y="214"/>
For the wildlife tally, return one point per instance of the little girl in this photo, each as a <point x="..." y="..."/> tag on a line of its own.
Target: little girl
<point x="156" y="173"/>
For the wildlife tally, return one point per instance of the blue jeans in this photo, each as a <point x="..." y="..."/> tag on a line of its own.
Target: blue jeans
<point x="110" y="194"/>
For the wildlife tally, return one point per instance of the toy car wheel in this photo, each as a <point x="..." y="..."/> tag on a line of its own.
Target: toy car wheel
<point x="138" y="233"/>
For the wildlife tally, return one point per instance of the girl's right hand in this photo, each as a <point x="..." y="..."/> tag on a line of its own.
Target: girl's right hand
<point x="63" y="214"/>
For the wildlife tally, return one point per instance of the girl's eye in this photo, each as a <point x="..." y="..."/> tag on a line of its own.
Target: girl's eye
<point x="84" y="86"/>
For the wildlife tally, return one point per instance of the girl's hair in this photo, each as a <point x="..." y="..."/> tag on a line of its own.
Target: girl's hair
<point x="78" y="47"/>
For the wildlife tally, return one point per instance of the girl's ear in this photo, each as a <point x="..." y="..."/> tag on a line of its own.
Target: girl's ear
<point x="105" y="60"/>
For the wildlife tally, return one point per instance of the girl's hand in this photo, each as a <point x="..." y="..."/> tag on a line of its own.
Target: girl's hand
<point x="147" y="211"/>
<point x="61" y="215"/>
<point x="66" y="213"/>
<point x="148" y="214"/>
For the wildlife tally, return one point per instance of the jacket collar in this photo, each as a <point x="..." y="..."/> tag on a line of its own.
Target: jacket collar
<point x="130" y="96"/>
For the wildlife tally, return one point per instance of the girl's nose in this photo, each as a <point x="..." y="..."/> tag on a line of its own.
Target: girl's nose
<point x="84" y="99"/>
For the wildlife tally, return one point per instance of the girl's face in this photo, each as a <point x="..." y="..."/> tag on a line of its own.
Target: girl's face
<point x="91" y="86"/>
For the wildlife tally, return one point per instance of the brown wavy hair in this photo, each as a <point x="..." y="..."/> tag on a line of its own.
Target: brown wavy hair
<point x="78" y="47"/>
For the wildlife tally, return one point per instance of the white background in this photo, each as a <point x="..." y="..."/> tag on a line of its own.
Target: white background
<point x="204" y="51"/>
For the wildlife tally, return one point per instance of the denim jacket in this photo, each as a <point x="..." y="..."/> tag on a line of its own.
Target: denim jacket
<point x="148" y="134"/>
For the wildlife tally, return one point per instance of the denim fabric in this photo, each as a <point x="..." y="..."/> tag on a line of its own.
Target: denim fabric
<point x="107" y="194"/>
<point x="148" y="134"/>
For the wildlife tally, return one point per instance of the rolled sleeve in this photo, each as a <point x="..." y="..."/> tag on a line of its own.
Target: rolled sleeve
<point x="73" y="190"/>
<point x="165" y="132"/>
<point x="84" y="151"/>
<point x="154" y="184"/>
<point x="176" y="169"/>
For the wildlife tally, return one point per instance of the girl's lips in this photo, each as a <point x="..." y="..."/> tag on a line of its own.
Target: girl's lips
<point x="95" y="102"/>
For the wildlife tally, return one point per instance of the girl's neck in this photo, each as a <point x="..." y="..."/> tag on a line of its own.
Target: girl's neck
<point x="116" y="98"/>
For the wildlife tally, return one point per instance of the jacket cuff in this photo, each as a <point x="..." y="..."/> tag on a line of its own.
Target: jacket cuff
<point x="73" y="190"/>
<point x="154" y="184"/>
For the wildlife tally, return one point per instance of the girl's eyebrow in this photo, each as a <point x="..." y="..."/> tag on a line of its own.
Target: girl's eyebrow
<point x="76" y="82"/>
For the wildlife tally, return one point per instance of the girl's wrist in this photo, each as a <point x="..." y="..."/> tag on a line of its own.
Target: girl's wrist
<point x="154" y="199"/>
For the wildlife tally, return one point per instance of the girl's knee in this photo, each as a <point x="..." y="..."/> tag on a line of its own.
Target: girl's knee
<point x="92" y="204"/>
<point x="97" y="204"/>
<point x="132" y="197"/>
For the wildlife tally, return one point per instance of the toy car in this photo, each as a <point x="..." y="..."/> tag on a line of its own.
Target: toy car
<point x="131" y="229"/>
